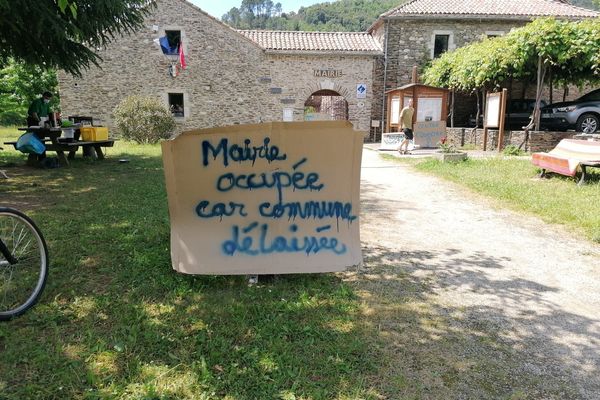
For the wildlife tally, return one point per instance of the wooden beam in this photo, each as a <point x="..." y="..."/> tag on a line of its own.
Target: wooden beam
<point x="501" y="122"/>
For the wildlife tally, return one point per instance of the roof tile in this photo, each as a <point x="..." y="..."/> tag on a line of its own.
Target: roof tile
<point x="314" y="41"/>
<point x="507" y="8"/>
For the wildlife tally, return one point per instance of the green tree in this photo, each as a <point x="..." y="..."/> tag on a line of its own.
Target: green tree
<point x="567" y="51"/>
<point x="570" y="49"/>
<point x="64" y="33"/>
<point x="19" y="85"/>
<point x="253" y="14"/>
<point x="341" y="15"/>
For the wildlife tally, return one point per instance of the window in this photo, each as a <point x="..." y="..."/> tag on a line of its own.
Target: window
<point x="592" y="96"/>
<point x="176" y="105"/>
<point x="441" y="41"/>
<point x="170" y="42"/>
<point x="493" y="34"/>
<point x="441" y="45"/>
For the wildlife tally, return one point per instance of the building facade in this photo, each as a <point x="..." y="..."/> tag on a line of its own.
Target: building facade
<point x="232" y="77"/>
<point x="418" y="31"/>
<point x="236" y="76"/>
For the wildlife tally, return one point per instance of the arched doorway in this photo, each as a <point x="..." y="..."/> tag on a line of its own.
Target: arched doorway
<point x="325" y="105"/>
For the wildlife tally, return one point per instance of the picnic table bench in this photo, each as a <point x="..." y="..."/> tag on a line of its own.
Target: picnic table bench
<point x="568" y="156"/>
<point x="53" y="142"/>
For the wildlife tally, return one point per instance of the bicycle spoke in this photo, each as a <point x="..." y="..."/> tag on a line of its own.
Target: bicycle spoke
<point x="20" y="283"/>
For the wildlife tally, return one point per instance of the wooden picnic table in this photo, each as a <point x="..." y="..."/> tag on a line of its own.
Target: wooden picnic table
<point x="53" y="142"/>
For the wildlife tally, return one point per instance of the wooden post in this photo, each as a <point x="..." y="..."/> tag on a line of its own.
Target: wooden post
<point x="414" y="74"/>
<point x="485" y="137"/>
<point x="485" y="128"/>
<point x="452" y="111"/>
<point x="502" y="115"/>
<point x="388" y="120"/>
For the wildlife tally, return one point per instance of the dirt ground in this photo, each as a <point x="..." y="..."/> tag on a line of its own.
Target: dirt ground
<point x="493" y="304"/>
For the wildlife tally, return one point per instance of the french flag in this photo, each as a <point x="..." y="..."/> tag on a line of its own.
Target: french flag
<point x="181" y="57"/>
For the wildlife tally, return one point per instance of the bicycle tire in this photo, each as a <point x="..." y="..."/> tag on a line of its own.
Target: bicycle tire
<point x="26" y="243"/>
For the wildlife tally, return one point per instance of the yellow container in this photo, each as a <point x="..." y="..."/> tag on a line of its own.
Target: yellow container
<point x="94" y="133"/>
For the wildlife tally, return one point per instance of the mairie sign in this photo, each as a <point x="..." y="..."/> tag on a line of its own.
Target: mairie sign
<point x="328" y="73"/>
<point x="263" y="199"/>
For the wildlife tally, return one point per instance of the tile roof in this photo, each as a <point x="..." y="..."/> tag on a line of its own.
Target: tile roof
<point x="491" y="8"/>
<point x="353" y="42"/>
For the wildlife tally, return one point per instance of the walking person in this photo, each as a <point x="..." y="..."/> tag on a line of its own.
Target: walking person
<point x="406" y="124"/>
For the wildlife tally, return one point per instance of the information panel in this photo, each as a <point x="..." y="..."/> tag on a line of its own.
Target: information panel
<point x="270" y="198"/>
<point x="395" y="110"/>
<point x="492" y="110"/>
<point x="429" y="109"/>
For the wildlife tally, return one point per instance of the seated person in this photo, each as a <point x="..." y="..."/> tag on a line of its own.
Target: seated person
<point x="39" y="108"/>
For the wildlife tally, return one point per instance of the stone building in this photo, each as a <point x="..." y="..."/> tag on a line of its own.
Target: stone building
<point x="328" y="65"/>
<point x="235" y="76"/>
<point x="231" y="76"/>
<point x="420" y="30"/>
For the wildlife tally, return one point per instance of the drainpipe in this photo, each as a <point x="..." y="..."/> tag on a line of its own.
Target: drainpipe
<point x="385" y="64"/>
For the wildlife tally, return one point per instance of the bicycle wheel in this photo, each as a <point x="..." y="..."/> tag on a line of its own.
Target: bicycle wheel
<point x="21" y="282"/>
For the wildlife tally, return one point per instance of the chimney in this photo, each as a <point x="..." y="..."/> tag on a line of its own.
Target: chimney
<point x="414" y="75"/>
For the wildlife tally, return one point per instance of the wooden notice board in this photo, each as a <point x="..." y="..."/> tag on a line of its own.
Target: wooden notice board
<point x="495" y="112"/>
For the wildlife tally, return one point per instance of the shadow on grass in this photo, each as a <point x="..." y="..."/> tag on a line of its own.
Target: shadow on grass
<point x="592" y="176"/>
<point x="485" y="338"/>
<point x="116" y="321"/>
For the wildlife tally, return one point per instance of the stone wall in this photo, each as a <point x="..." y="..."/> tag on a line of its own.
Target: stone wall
<point x="219" y="84"/>
<point x="229" y="79"/>
<point x="537" y="141"/>
<point x="410" y="43"/>
<point x="293" y="77"/>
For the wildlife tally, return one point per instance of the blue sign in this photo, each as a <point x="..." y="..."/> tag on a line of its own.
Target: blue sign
<point x="361" y="91"/>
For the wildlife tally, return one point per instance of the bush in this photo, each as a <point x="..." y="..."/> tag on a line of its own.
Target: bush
<point x="143" y="119"/>
<point x="512" y="150"/>
<point x="9" y="118"/>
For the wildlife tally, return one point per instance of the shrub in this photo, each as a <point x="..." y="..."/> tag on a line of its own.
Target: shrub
<point x="512" y="150"/>
<point x="143" y="119"/>
<point x="12" y="117"/>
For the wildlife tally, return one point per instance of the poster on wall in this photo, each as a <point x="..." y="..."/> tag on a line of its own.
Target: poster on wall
<point x="395" y="110"/>
<point x="288" y="114"/>
<point x="492" y="110"/>
<point x="263" y="199"/>
<point x="429" y="109"/>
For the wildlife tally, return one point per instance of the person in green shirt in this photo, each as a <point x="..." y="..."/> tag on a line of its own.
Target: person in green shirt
<point x="406" y="121"/>
<point x="39" y="108"/>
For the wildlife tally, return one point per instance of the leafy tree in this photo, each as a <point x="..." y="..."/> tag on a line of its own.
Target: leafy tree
<point x="19" y="85"/>
<point x="253" y="14"/>
<point x="64" y="33"/>
<point x="341" y="15"/>
<point x="569" y="51"/>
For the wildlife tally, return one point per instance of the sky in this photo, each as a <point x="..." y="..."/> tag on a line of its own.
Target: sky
<point x="217" y="8"/>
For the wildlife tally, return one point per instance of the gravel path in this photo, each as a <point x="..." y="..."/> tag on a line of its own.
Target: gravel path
<point x="531" y="283"/>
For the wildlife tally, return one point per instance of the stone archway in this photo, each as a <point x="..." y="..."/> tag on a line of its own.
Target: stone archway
<point x="325" y="105"/>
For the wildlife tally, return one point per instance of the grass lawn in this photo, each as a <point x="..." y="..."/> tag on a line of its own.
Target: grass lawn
<point x="116" y="322"/>
<point x="513" y="181"/>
